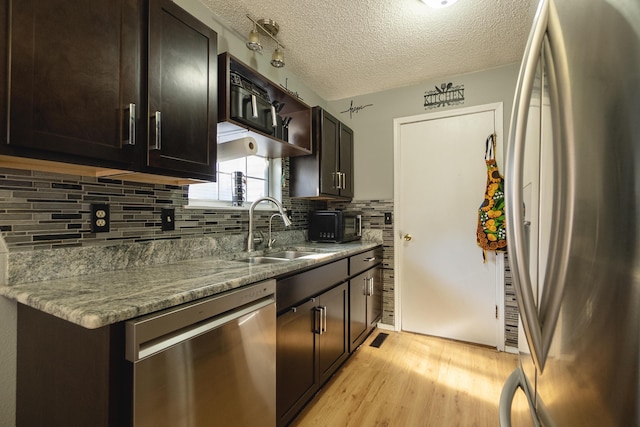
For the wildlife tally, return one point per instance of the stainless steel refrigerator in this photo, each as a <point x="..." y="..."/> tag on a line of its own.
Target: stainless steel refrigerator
<point x="572" y="177"/>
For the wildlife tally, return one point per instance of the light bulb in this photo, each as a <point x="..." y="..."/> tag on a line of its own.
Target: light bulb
<point x="277" y="59"/>
<point x="253" y="43"/>
<point x="439" y="4"/>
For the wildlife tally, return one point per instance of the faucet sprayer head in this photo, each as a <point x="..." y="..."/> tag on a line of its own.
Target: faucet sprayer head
<point x="286" y="220"/>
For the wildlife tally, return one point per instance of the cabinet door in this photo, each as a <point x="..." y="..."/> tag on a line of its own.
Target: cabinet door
<point x="346" y="161"/>
<point x="328" y="147"/>
<point x="374" y="300"/>
<point x="357" y="310"/>
<point x="334" y="337"/>
<point x="183" y="92"/>
<point x="74" y="70"/>
<point x="296" y="360"/>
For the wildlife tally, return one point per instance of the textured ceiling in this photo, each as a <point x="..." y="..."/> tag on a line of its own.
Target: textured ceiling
<point x="345" y="48"/>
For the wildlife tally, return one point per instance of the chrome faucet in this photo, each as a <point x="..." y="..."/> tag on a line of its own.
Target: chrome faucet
<point x="270" y="241"/>
<point x="285" y="218"/>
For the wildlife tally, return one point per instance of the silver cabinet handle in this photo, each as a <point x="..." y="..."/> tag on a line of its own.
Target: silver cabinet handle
<point x="324" y="316"/>
<point x="365" y="286"/>
<point x="157" y="118"/>
<point x="320" y="326"/>
<point x="370" y="259"/>
<point x="344" y="180"/>
<point x="320" y="320"/>
<point x="317" y="320"/>
<point x="368" y="286"/>
<point x="132" y="125"/>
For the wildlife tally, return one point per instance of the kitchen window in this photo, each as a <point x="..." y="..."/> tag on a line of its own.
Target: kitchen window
<point x="262" y="175"/>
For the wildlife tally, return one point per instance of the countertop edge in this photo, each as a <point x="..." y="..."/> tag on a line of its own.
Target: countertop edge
<point x="42" y="295"/>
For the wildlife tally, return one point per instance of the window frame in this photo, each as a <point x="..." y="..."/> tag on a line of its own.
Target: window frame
<point x="273" y="178"/>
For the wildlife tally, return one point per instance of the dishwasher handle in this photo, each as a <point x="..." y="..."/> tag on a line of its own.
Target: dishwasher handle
<point x="155" y="333"/>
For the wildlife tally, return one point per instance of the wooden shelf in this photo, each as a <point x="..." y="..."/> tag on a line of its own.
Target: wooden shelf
<point x="299" y="143"/>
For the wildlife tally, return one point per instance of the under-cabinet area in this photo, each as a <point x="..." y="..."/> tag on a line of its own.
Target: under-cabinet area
<point x="222" y="331"/>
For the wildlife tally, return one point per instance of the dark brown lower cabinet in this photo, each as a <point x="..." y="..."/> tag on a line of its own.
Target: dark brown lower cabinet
<point x="365" y="305"/>
<point x="312" y="342"/>
<point x="68" y="375"/>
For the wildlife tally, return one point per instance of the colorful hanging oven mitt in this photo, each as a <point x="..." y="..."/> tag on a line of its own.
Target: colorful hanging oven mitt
<point x="492" y="233"/>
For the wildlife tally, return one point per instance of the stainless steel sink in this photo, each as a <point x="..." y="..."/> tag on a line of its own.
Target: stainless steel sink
<point x="262" y="260"/>
<point x="283" y="256"/>
<point x="289" y="254"/>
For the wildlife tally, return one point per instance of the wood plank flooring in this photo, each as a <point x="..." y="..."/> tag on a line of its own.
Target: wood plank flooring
<point x="415" y="380"/>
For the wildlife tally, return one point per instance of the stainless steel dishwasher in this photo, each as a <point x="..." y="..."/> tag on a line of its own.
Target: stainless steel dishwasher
<point x="207" y="363"/>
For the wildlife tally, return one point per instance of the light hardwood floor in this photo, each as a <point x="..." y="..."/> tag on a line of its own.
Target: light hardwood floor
<point x="414" y="380"/>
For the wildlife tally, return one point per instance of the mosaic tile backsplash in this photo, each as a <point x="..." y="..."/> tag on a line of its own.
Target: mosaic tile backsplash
<point x="41" y="212"/>
<point x="46" y="211"/>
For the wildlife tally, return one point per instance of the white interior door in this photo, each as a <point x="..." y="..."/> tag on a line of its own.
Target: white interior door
<point x="445" y="288"/>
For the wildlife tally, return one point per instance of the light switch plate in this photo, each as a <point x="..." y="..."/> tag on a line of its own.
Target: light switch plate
<point x="168" y="219"/>
<point x="387" y="218"/>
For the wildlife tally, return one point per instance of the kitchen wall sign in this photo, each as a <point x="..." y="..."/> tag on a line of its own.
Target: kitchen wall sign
<point x="356" y="109"/>
<point x="443" y="96"/>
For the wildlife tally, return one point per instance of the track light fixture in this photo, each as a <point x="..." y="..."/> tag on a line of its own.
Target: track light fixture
<point x="269" y="28"/>
<point x="253" y="42"/>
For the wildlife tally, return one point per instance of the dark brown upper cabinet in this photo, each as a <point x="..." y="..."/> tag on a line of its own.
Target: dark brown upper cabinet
<point x="85" y="82"/>
<point x="74" y="72"/>
<point x="274" y="145"/>
<point x="183" y="91"/>
<point x="328" y="173"/>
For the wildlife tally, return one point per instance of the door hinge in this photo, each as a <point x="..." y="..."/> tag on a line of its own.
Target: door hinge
<point x="496" y="311"/>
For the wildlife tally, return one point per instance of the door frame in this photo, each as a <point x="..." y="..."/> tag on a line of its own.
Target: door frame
<point x="497" y="108"/>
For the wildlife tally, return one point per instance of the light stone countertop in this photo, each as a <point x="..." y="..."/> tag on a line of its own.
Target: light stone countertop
<point x="101" y="299"/>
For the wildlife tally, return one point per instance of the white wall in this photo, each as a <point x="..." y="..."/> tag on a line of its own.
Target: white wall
<point x="373" y="125"/>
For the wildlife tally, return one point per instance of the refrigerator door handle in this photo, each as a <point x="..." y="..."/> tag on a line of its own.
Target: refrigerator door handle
<point x="514" y="382"/>
<point x="514" y="181"/>
<point x="540" y="324"/>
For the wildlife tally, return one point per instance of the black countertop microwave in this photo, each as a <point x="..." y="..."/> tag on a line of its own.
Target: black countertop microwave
<point x="334" y="226"/>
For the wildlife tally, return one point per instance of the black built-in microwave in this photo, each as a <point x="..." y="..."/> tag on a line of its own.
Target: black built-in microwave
<point x="332" y="226"/>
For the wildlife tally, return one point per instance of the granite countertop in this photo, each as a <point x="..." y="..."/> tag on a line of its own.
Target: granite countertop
<point x="97" y="300"/>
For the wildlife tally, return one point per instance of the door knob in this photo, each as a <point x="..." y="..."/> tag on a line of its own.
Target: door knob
<point x="407" y="237"/>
